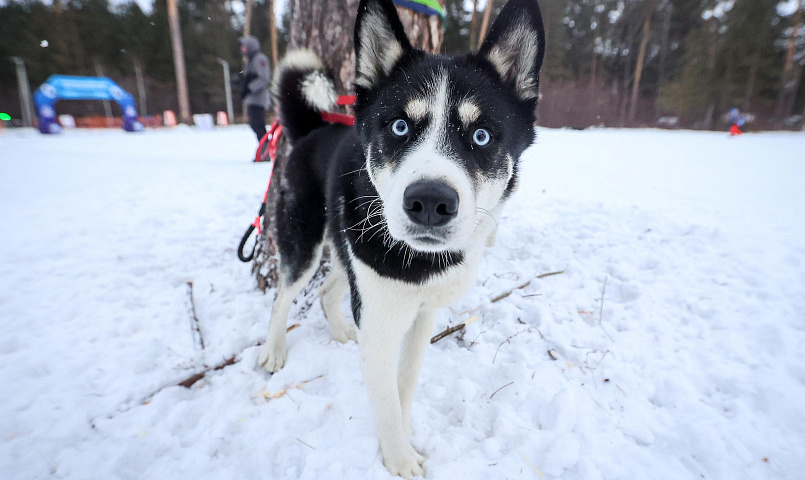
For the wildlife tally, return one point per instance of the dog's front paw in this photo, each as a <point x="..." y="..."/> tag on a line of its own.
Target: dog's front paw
<point x="351" y="333"/>
<point x="345" y="334"/>
<point x="404" y="461"/>
<point x="273" y="356"/>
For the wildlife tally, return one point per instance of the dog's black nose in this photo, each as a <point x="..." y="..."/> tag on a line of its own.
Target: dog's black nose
<point x="430" y="203"/>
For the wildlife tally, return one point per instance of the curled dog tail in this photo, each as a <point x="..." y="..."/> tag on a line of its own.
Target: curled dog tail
<point x="302" y="89"/>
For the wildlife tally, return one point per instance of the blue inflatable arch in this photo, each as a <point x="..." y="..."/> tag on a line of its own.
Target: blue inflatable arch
<point x="67" y="87"/>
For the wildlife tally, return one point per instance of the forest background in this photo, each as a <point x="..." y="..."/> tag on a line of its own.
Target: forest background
<point x="680" y="63"/>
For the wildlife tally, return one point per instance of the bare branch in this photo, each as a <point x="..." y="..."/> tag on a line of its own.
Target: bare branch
<point x="453" y="329"/>
<point x="499" y="389"/>
<point x="495" y="299"/>
<point x="601" y="310"/>
<point x="195" y="325"/>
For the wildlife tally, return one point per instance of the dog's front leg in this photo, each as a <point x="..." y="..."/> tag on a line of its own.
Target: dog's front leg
<point x="380" y="336"/>
<point x="413" y="351"/>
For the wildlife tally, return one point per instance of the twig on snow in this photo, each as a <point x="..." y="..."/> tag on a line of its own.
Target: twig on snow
<point x="556" y="356"/>
<point x="268" y="396"/>
<point x="499" y="389"/>
<point x="522" y="286"/>
<point x="495" y="299"/>
<point x="195" y="325"/>
<point x="186" y="383"/>
<point x="192" y="379"/>
<point x="454" y="329"/>
<point x="533" y="467"/>
<point x="508" y="340"/>
<point x="305" y="443"/>
<point x="601" y="309"/>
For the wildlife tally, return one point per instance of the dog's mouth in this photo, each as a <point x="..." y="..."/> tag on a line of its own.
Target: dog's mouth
<point x="428" y="240"/>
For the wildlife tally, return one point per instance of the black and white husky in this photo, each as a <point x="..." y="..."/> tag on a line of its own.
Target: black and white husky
<point x="407" y="199"/>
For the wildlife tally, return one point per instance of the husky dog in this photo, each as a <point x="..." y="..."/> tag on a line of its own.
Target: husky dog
<point x="406" y="199"/>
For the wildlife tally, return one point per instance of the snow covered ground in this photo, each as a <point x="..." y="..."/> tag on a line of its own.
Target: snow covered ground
<point x="676" y="330"/>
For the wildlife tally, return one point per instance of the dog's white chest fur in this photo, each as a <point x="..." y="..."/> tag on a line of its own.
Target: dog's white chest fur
<point x="439" y="291"/>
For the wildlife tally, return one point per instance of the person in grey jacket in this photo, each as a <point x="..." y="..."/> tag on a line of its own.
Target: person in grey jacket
<point x="254" y="84"/>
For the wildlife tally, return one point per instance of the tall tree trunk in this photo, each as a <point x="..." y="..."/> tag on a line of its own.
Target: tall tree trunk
<point x="247" y="27"/>
<point x="708" y="117"/>
<point x="638" y="75"/>
<point x="474" y="25"/>
<point x="325" y="27"/>
<point x="750" y="83"/>
<point x="627" y="69"/>
<point x="803" y="106"/>
<point x="724" y="93"/>
<point x="178" y="62"/>
<point x="791" y="75"/>
<point x="666" y="28"/>
<point x="712" y="49"/>
<point x="485" y="22"/>
<point x="424" y="31"/>
<point x="799" y="70"/>
<point x="247" y="30"/>
<point x="24" y="89"/>
<point x="272" y="31"/>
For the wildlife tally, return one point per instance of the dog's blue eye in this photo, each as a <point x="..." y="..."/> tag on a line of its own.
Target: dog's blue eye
<point x="481" y="137"/>
<point x="399" y="127"/>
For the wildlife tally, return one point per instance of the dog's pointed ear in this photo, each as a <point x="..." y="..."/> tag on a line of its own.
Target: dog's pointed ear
<point x="515" y="46"/>
<point x="380" y="42"/>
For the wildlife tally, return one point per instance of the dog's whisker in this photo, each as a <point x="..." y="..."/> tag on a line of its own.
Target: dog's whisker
<point x="489" y="214"/>
<point x="381" y="224"/>
<point x="363" y="232"/>
<point x="363" y="167"/>
<point x="362" y="221"/>
<point x="371" y="213"/>
<point x="367" y="202"/>
<point x="360" y="197"/>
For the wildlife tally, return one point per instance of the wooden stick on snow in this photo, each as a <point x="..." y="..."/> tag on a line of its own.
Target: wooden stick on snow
<point x="495" y="299"/>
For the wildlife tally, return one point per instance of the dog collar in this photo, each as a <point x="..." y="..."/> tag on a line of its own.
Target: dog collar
<point x="342" y="118"/>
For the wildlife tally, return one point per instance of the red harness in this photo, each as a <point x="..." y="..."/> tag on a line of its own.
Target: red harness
<point x="268" y="144"/>
<point x="334" y="117"/>
<point x="268" y="149"/>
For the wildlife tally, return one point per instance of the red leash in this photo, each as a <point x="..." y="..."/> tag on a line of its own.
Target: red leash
<point x="268" y="144"/>
<point x="268" y="148"/>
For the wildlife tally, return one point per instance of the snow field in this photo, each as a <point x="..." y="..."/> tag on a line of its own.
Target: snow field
<point x="671" y="345"/>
